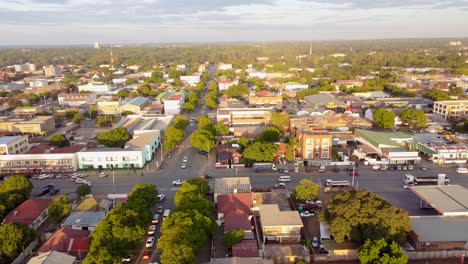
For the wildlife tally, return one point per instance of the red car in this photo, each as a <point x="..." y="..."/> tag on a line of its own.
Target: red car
<point x="146" y="255"/>
<point x="355" y="173"/>
<point x="308" y="169"/>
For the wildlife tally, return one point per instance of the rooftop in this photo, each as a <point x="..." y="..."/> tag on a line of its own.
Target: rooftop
<point x="383" y="139"/>
<point x="46" y="149"/>
<point x="52" y="257"/>
<point x="84" y="218"/>
<point x="8" y="139"/>
<point x="27" y="212"/>
<point x="446" y="199"/>
<point x="454" y="102"/>
<point x="64" y="239"/>
<point x="137" y="101"/>
<point x="449" y="228"/>
<point x="270" y="215"/>
<point x="141" y="140"/>
<point x="232" y="185"/>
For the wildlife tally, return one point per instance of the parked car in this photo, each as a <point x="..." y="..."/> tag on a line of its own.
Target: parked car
<point x="353" y="173"/>
<point x="206" y="176"/>
<point x="128" y="259"/>
<point x="183" y="165"/>
<point x="405" y="168"/>
<point x="315" y="242"/>
<point x="160" y="209"/>
<point x="185" y="159"/>
<point x="323" y="251"/>
<point x="150" y="242"/>
<point x="286" y="170"/>
<point x="383" y="167"/>
<point x="376" y="167"/>
<point x="168" y="156"/>
<point x="307" y="169"/>
<point x="399" y="168"/>
<point x="102" y="174"/>
<point x="410" y="167"/>
<point x="161" y="197"/>
<point x="280" y="170"/>
<point x="321" y="168"/>
<point x="151" y="229"/>
<point x="306" y="214"/>
<point x="178" y="182"/>
<point x="202" y="152"/>
<point x="54" y="191"/>
<point x="392" y="168"/>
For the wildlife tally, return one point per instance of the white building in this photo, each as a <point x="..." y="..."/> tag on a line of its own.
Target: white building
<point x="119" y="81"/>
<point x="451" y="109"/>
<point x="192" y="80"/>
<point x="257" y="74"/>
<point x="137" y="152"/>
<point x="27" y="67"/>
<point x="173" y="104"/>
<point x="223" y="67"/>
<point x="38" y="83"/>
<point x="181" y="67"/>
<point x="75" y="99"/>
<point x="10" y="145"/>
<point x="225" y="84"/>
<point x="293" y="86"/>
<point x="95" y="87"/>
<point x="52" y="70"/>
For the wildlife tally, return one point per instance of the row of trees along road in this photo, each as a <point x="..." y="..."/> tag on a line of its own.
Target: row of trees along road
<point x="204" y="138"/>
<point x="211" y="98"/>
<point x="14" y="237"/>
<point x="385" y="118"/>
<point x="185" y="231"/>
<point x="175" y="133"/>
<point x="123" y="229"/>
<point x="193" y="99"/>
<point x="367" y="219"/>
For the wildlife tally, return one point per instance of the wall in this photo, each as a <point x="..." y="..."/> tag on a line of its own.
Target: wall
<point x="29" y="250"/>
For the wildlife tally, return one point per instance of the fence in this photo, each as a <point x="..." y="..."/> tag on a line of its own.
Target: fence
<point x="26" y="252"/>
<point x="445" y="254"/>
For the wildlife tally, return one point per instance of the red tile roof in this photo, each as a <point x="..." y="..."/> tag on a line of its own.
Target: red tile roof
<point x="67" y="240"/>
<point x="175" y="97"/>
<point x="27" y="212"/>
<point x="45" y="148"/>
<point x="236" y="210"/>
<point x="246" y="248"/>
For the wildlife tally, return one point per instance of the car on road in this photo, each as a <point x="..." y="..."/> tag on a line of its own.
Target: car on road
<point x="160" y="209"/>
<point x="353" y="173"/>
<point x="306" y="214"/>
<point x="323" y="251"/>
<point x="206" y="176"/>
<point x="149" y="242"/>
<point x="307" y="169"/>
<point x="202" y="152"/>
<point x="81" y="181"/>
<point x="155" y="219"/>
<point x="286" y="170"/>
<point x="424" y="168"/>
<point x="128" y="259"/>
<point x="280" y="170"/>
<point x="151" y="229"/>
<point x="185" y="160"/>
<point x="183" y="165"/>
<point x="54" y="191"/>
<point x="168" y="156"/>
<point x="281" y="184"/>
<point x="315" y="242"/>
<point x="161" y="197"/>
<point x="146" y="255"/>
<point x="383" y="167"/>
<point x="410" y="167"/>
<point x="178" y="182"/>
<point x="102" y="174"/>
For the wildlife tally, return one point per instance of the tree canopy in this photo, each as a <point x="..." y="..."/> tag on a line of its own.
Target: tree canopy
<point x="384" y="118"/>
<point x="13" y="191"/>
<point x="280" y="120"/>
<point x="413" y="118"/>
<point x="15" y="237"/>
<point x="306" y="190"/>
<point x="438" y="95"/>
<point x="203" y="140"/>
<point x="222" y="129"/>
<point x="361" y="215"/>
<point x="77" y="118"/>
<point x="83" y="190"/>
<point x="59" y="140"/>
<point x="59" y="208"/>
<point x="237" y="91"/>
<point x="260" y="151"/>
<point x="271" y="134"/>
<point x="381" y="252"/>
<point x="114" y="138"/>
<point x="233" y="237"/>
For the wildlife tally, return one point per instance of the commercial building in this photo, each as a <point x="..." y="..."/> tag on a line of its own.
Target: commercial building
<point x="280" y="226"/>
<point x="32" y="213"/>
<point x="95" y="87"/>
<point x="173" y="104"/>
<point x="347" y="83"/>
<point x="134" y="105"/>
<point x="265" y="99"/>
<point x="328" y="120"/>
<point x="84" y="220"/>
<point x="448" y="200"/>
<point x="316" y="146"/>
<point x="38" y="83"/>
<point x="27" y="67"/>
<point x="109" y="107"/>
<point x="294" y="86"/>
<point x="231" y="185"/>
<point x="244" y="116"/>
<point x="323" y="101"/>
<point x="439" y="150"/>
<point x="52" y="70"/>
<point x="451" y="109"/>
<point x="10" y="145"/>
<point x="28" y="112"/>
<point x="224" y="84"/>
<point x="41" y="125"/>
<point x="75" y="99"/>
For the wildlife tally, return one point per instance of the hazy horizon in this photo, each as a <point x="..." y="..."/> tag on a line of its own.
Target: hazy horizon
<point x="82" y="22"/>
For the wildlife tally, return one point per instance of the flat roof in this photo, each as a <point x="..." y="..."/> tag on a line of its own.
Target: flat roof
<point x="8" y="139"/>
<point x="270" y="215"/>
<point x="383" y="138"/>
<point x="446" y="199"/>
<point x="449" y="228"/>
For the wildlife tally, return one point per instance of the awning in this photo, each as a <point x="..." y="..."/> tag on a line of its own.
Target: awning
<point x="406" y="158"/>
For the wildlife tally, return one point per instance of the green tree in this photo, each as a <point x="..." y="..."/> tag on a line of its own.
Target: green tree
<point x="181" y="122"/>
<point x="15" y="237"/>
<point x="381" y="252"/>
<point x="116" y="137"/>
<point x="122" y="93"/>
<point x="438" y="95"/>
<point x="178" y="254"/>
<point x="204" y="122"/>
<point x="126" y="113"/>
<point x="203" y="140"/>
<point x="290" y="154"/>
<point x="131" y="81"/>
<point x="59" y="208"/>
<point x="144" y="192"/>
<point x="213" y="86"/>
<point x="91" y="113"/>
<point x="261" y="151"/>
<point x="144" y="89"/>
<point x="306" y="190"/>
<point x="222" y="129"/>
<point x="237" y="91"/>
<point x="280" y="120"/>
<point x="59" y="140"/>
<point x="243" y="141"/>
<point x="70" y="113"/>
<point x="384" y="118"/>
<point x="361" y="215"/>
<point x="414" y="118"/>
<point x="233" y="237"/>
<point x="188" y="106"/>
<point x="83" y="190"/>
<point x="271" y="134"/>
<point x="16" y="185"/>
<point x="77" y="118"/>
<point x="456" y="91"/>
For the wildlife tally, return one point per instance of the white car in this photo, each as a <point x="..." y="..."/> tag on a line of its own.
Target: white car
<point x="81" y="181"/>
<point x="462" y="170"/>
<point x="151" y="229"/>
<point x="102" y="175"/>
<point x="315" y="242"/>
<point x="150" y="242"/>
<point x="161" y="197"/>
<point x="306" y="214"/>
<point x="183" y="165"/>
<point x="185" y="160"/>
<point x="281" y="184"/>
<point x="178" y="182"/>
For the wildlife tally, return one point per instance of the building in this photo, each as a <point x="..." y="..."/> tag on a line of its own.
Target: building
<point x="348" y="84"/>
<point x="451" y="233"/>
<point x="328" y="120"/>
<point x="231" y="185"/>
<point x="27" y="67"/>
<point x="41" y="125"/>
<point x="134" y="105"/>
<point x="451" y="109"/>
<point x="109" y="107"/>
<point x="191" y="80"/>
<point x="265" y="99"/>
<point x="173" y="104"/>
<point x="224" y="84"/>
<point x="52" y="257"/>
<point x="55" y="87"/>
<point x="32" y="213"/>
<point x="52" y="70"/>
<point x="439" y="150"/>
<point x="234" y="212"/>
<point x="75" y="99"/>
<point x="28" y="111"/>
<point x="224" y="66"/>
<point x="323" y="101"/>
<point x="67" y="240"/>
<point x="244" y="116"/>
<point x="38" y="83"/>
<point x="283" y="227"/>
<point x="316" y="145"/>
<point x="42" y="158"/>
<point x="95" y="87"/>
<point x="10" y="145"/>
<point x="448" y="200"/>
<point x="294" y="86"/>
<point x="258" y="74"/>
<point x="84" y="220"/>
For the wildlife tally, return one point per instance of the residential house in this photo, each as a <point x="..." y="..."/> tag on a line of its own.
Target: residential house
<point x="257" y="74"/>
<point x="109" y="107"/>
<point x="52" y="70"/>
<point x="294" y="86"/>
<point x="224" y="66"/>
<point x="32" y="213"/>
<point x="228" y="155"/>
<point x="10" y="145"/>
<point x="224" y="84"/>
<point x="67" y="240"/>
<point x="91" y="204"/>
<point x="231" y="185"/>
<point x="52" y="257"/>
<point x="191" y="80"/>
<point x="282" y="227"/>
<point x="75" y="99"/>
<point x="95" y="87"/>
<point x="153" y="109"/>
<point x="84" y="220"/>
<point x="234" y="212"/>
<point x="451" y="109"/>
<point x="38" y="83"/>
<point x="41" y="125"/>
<point x="173" y="104"/>
<point x="348" y="83"/>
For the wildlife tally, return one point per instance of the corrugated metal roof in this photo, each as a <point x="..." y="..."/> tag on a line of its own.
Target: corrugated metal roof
<point x="270" y="215"/>
<point x="449" y="228"/>
<point x="446" y="199"/>
<point x="84" y="218"/>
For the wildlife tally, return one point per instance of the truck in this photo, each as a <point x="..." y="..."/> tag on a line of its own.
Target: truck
<point x="411" y="180"/>
<point x="332" y="183"/>
<point x="264" y="167"/>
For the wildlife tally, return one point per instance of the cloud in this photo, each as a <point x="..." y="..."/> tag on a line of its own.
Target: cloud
<point x="374" y="4"/>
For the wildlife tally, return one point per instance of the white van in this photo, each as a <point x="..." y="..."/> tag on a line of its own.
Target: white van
<point x="167" y="212"/>
<point x="462" y="170"/>
<point x="284" y="178"/>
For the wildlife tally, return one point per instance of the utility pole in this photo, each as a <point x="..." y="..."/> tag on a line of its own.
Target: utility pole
<point x="113" y="181"/>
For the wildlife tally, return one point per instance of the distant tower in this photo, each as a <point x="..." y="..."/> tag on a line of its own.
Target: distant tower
<point x="310" y="49"/>
<point x="96" y="45"/>
<point x="112" y="58"/>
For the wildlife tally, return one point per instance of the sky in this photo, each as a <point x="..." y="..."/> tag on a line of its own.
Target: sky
<point x="77" y="22"/>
